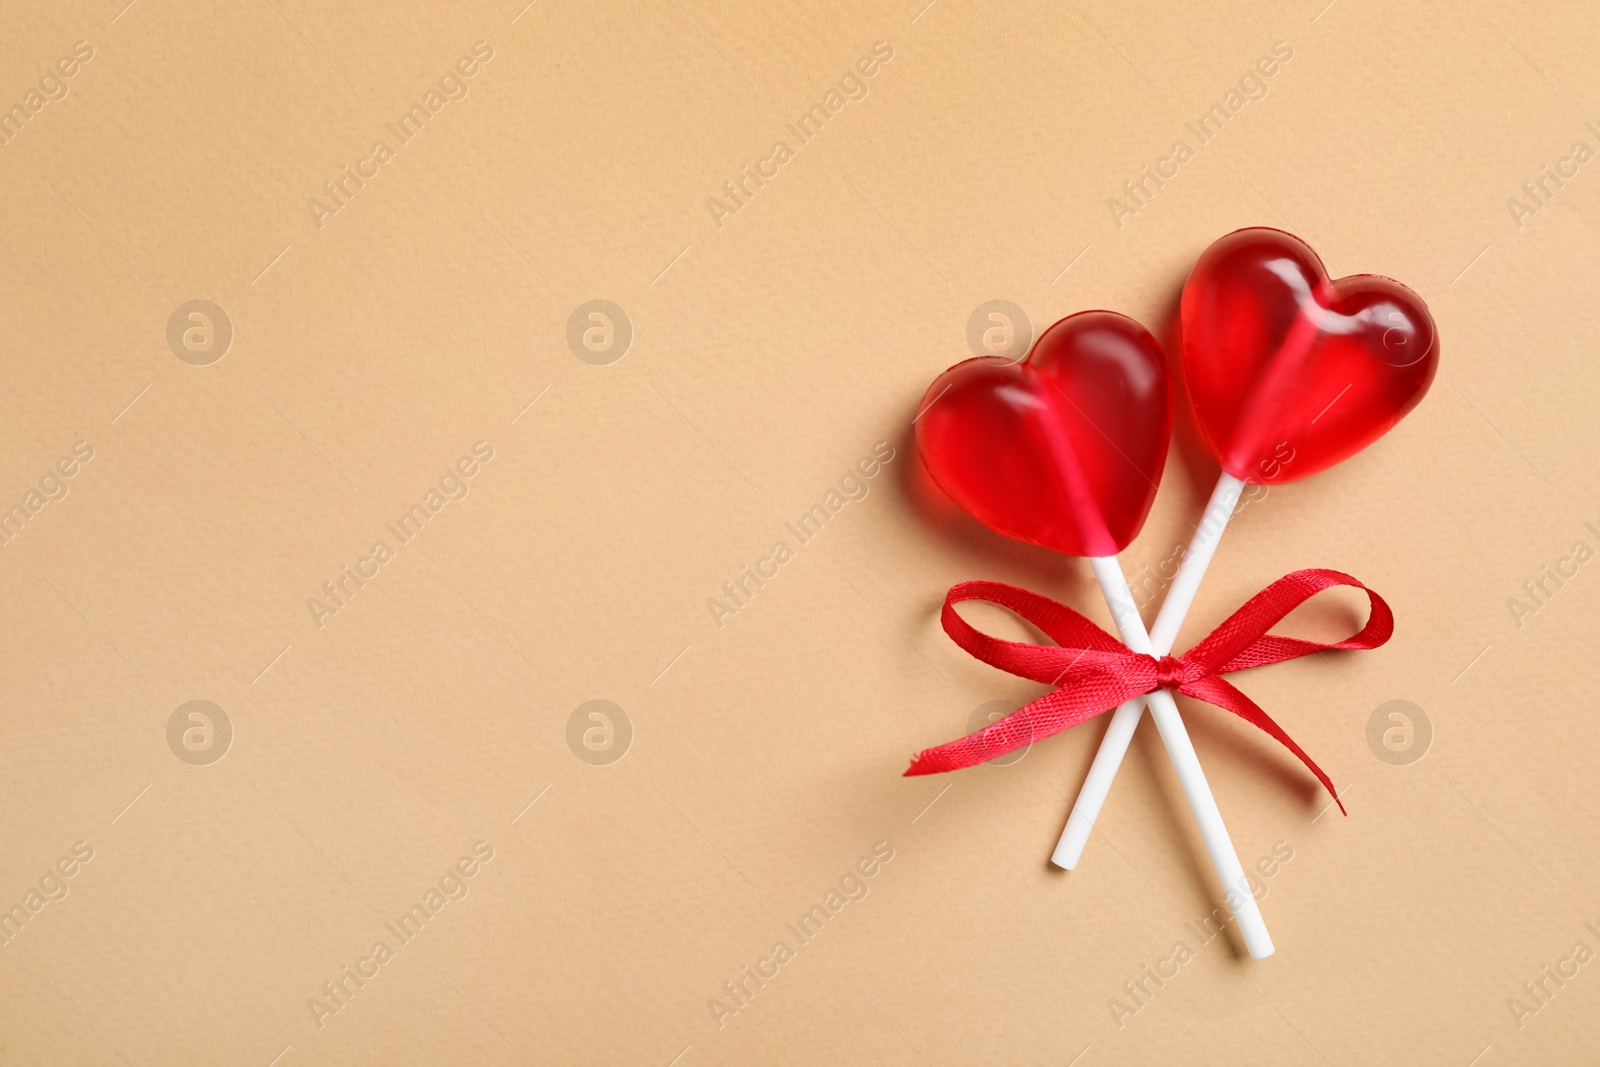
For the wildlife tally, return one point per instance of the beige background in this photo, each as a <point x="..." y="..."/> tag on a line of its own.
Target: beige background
<point x="768" y="355"/>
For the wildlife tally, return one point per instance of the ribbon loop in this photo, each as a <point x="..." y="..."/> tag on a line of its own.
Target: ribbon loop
<point x="1093" y="672"/>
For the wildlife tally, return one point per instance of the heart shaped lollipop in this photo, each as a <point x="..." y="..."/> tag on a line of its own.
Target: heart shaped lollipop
<point x="1290" y="373"/>
<point x="1063" y="449"/>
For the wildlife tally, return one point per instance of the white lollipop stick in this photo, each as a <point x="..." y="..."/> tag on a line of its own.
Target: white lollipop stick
<point x="1119" y="598"/>
<point x="1126" y="718"/>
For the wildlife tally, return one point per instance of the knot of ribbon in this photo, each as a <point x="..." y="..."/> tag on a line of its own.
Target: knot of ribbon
<point x="1093" y="672"/>
<point x="1170" y="673"/>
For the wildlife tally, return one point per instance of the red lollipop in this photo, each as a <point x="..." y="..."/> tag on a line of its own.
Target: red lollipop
<point x="1289" y="372"/>
<point x="1063" y="449"/>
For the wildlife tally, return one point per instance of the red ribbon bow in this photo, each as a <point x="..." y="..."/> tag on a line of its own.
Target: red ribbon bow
<point x="1094" y="672"/>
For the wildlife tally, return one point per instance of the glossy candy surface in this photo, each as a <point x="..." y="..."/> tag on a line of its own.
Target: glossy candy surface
<point x="1063" y="449"/>
<point x="1289" y="372"/>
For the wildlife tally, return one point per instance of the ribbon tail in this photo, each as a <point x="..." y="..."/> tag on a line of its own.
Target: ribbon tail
<point x="1223" y="694"/>
<point x="1058" y="710"/>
